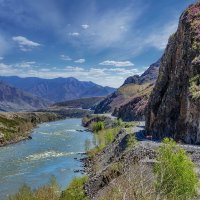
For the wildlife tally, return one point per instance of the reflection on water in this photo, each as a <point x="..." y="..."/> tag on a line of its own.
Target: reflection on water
<point x="51" y="152"/>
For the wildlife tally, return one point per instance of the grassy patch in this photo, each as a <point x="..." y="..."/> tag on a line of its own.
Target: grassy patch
<point x="75" y="191"/>
<point x="47" y="192"/>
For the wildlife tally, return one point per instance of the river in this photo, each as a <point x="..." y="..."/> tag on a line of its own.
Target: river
<point x="55" y="150"/>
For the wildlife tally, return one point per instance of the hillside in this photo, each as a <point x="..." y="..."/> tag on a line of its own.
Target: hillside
<point x="13" y="99"/>
<point x="17" y="126"/>
<point x="58" y="89"/>
<point x="84" y="103"/>
<point x="134" y="94"/>
<point x="174" y="105"/>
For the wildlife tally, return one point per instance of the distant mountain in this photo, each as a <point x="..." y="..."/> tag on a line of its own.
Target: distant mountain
<point x="130" y="100"/>
<point x="58" y="89"/>
<point x="13" y="99"/>
<point x="149" y="75"/>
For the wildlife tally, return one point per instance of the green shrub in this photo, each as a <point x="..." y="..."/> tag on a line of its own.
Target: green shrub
<point x="75" y="191"/>
<point x="131" y="141"/>
<point x="98" y="126"/>
<point x="174" y="172"/>
<point x="49" y="192"/>
<point x="24" y="193"/>
<point x="118" y="122"/>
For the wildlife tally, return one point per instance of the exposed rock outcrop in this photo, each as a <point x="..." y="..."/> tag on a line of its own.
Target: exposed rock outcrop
<point x="134" y="110"/>
<point x="149" y="75"/>
<point x="174" y="106"/>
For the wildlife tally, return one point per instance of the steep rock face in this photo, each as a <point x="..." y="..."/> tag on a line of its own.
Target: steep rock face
<point x="134" y="110"/>
<point x="13" y="99"/>
<point x="174" y="105"/>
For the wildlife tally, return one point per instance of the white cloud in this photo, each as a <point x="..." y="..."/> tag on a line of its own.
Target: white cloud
<point x="113" y="77"/>
<point x="117" y="63"/>
<point x="75" y="34"/>
<point x="1" y="58"/>
<point x="4" y="66"/>
<point x="82" y="60"/>
<point x="64" y="57"/>
<point x="24" y="43"/>
<point x="25" y="64"/>
<point x="85" y="26"/>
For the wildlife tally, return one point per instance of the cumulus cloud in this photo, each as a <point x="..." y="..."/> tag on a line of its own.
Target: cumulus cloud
<point x="117" y="63"/>
<point x="75" y="34"/>
<point x="64" y="57"/>
<point x="24" y="43"/>
<point x="85" y="26"/>
<point x="4" y="66"/>
<point x="113" y="77"/>
<point x="82" y="60"/>
<point x="25" y="64"/>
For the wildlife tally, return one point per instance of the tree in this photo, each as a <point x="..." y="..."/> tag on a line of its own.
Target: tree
<point x="174" y="173"/>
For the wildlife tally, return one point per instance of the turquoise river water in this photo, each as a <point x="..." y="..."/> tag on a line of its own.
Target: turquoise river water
<point x="55" y="149"/>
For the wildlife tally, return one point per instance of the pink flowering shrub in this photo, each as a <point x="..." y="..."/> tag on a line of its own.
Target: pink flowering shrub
<point x="193" y="18"/>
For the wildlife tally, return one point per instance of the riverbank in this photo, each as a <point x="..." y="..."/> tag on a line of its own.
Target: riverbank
<point x="125" y="166"/>
<point x="55" y="150"/>
<point x="17" y="126"/>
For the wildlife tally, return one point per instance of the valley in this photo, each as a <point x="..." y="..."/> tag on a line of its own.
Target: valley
<point x="65" y="137"/>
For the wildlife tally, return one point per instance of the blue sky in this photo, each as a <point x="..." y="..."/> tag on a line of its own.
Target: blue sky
<point x="103" y="41"/>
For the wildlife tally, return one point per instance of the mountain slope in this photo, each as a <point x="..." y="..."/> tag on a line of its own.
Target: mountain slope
<point x="13" y="99"/>
<point x="149" y="75"/>
<point x="134" y="92"/>
<point x="58" y="89"/>
<point x="174" y="106"/>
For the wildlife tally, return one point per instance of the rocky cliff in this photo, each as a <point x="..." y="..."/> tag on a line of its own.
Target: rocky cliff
<point x="174" y="105"/>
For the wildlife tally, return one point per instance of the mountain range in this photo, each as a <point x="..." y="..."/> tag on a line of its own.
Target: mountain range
<point x="33" y="93"/>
